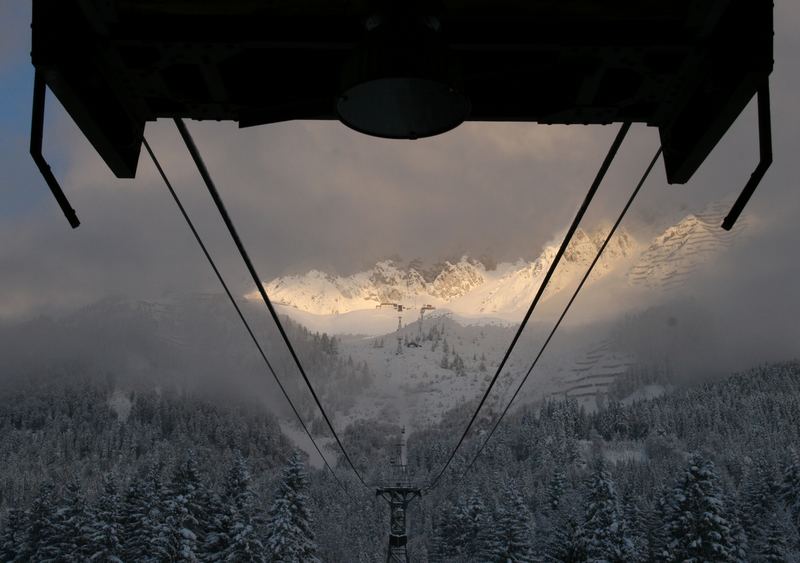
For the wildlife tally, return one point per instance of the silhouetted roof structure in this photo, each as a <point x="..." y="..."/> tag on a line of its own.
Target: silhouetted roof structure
<point x="688" y="67"/>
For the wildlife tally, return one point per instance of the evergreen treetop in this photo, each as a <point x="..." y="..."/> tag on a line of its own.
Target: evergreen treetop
<point x="290" y="538"/>
<point x="697" y="522"/>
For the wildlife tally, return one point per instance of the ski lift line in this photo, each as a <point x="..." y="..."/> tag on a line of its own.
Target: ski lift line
<point x="612" y="152"/>
<point x="566" y="308"/>
<point x="201" y="168"/>
<point x="246" y="324"/>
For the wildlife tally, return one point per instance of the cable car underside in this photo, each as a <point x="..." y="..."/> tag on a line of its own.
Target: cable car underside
<point x="405" y="69"/>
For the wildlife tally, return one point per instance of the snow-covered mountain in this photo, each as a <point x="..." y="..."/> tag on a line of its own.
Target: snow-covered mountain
<point x="387" y="282"/>
<point x="680" y="250"/>
<point x="594" y="371"/>
<point x="466" y="287"/>
<point x="470" y="290"/>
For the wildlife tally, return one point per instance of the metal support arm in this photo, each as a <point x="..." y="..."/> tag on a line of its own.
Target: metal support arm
<point x="765" y="160"/>
<point x="37" y="132"/>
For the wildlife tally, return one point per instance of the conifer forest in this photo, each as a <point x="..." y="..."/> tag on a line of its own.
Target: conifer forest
<point x="709" y="472"/>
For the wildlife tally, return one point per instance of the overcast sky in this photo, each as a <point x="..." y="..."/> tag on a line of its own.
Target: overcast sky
<point x="311" y="194"/>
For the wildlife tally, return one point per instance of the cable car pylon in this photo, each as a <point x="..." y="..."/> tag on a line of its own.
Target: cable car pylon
<point x="398" y="493"/>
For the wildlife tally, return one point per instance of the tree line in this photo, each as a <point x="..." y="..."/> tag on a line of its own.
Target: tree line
<point x="556" y="483"/>
<point x="184" y="518"/>
<point x="693" y="519"/>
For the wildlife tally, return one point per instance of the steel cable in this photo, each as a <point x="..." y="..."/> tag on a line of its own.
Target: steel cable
<point x="246" y="324"/>
<point x="564" y="244"/>
<point x="567" y="308"/>
<point x="212" y="189"/>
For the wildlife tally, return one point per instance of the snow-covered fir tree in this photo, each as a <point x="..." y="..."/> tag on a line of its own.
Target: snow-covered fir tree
<point x="489" y="541"/>
<point x="72" y="522"/>
<point x="790" y="488"/>
<point x="41" y="541"/>
<point x="635" y="529"/>
<point x="13" y="536"/>
<point x="564" y="541"/>
<point x="290" y="536"/>
<point x="655" y="532"/>
<point x="242" y="538"/>
<point x="105" y="529"/>
<point x="757" y="506"/>
<point x="515" y="527"/>
<point x="444" y="363"/>
<point x="774" y="546"/>
<point x="555" y="489"/>
<point x="135" y="521"/>
<point x="697" y="521"/>
<point x="447" y="532"/>
<point x="142" y="529"/>
<point x="437" y="547"/>
<point x="472" y="517"/>
<point x="603" y="527"/>
<point x="186" y="511"/>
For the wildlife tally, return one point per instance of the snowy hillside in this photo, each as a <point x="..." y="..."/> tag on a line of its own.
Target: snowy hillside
<point x="682" y="249"/>
<point x="419" y="375"/>
<point x="591" y="374"/>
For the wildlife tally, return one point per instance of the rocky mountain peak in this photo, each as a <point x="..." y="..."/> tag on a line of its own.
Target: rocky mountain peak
<point x="457" y="279"/>
<point x="468" y="286"/>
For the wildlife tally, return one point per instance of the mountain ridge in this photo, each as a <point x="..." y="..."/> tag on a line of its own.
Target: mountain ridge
<point x="466" y="285"/>
<point x="470" y="288"/>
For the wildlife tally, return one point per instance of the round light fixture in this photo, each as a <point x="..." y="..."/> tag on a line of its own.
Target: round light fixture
<point x="402" y="83"/>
